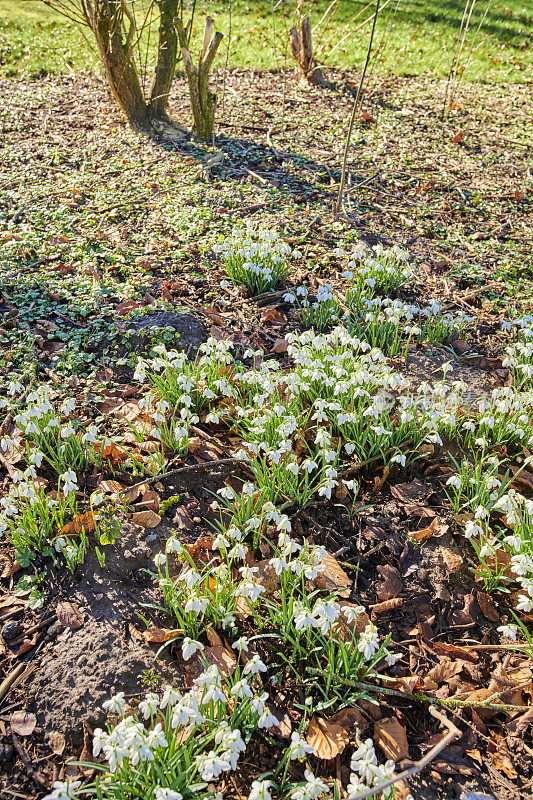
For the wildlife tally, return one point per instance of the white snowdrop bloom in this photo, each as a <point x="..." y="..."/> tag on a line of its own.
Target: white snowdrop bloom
<point x="149" y="705"/>
<point x="185" y="712"/>
<point x="298" y="747"/>
<point x="524" y="603"/>
<point x="197" y="605"/>
<point x="303" y="617"/>
<point x="241" y="644"/>
<point x="67" y="431"/>
<point x="254" y="666"/>
<point x="368" y="643"/>
<point x="260" y="790"/>
<point x="170" y="697"/>
<point x="189" y="647"/>
<point x="64" y="790"/>
<point x="174" y="545"/>
<point x="68" y="406"/>
<point x="115" y="704"/>
<point x="163" y="793"/>
<point x="156" y="737"/>
<point x="508" y="631"/>
<point x="100" y="738"/>
<point x="454" y="481"/>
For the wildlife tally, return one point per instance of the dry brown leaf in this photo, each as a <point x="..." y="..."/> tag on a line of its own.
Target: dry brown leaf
<point x="280" y="346"/>
<point x="453" y="650"/>
<point x="391" y="738"/>
<point x="327" y="738"/>
<point x="443" y="671"/>
<point x="110" y="487"/>
<point x="154" y="635"/>
<point x="151" y="501"/>
<point x="486" y="607"/>
<point x="379" y="480"/>
<point x="56" y="742"/>
<point x="392" y="585"/>
<point x="273" y="315"/>
<point x="406" y="684"/>
<point x="266" y="576"/>
<point x="333" y="578"/>
<point x="8" y="566"/>
<point x="452" y="559"/>
<point x="436" y="528"/>
<point x="387" y="605"/>
<point x="284" y="725"/>
<point x="500" y="756"/>
<point x="183" y="519"/>
<point x="351" y="719"/>
<point x="81" y="523"/>
<point x="22" y="723"/>
<point x="70" y="615"/>
<point x="113" y="454"/>
<point x="135" y="633"/>
<point x="147" y="519"/>
<point x="520" y="724"/>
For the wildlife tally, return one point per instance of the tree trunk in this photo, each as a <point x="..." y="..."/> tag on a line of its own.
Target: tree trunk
<point x="107" y="20"/>
<point x="302" y="50"/>
<point x="166" y="58"/>
<point x="203" y="101"/>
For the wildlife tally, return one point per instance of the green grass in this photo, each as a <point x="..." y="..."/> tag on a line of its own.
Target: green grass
<point x="414" y="37"/>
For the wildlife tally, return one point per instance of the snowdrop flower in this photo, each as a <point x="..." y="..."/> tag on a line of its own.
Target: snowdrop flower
<point x="162" y="793"/>
<point x="254" y="666"/>
<point x="160" y="560"/>
<point x="241" y="644"/>
<point x="189" y="647"/>
<point x="170" y="697"/>
<point x="149" y="705"/>
<point x="260" y="790"/>
<point x="267" y="720"/>
<point x="174" y="545"/>
<point x="508" y="631"/>
<point x="67" y="431"/>
<point x="210" y="766"/>
<point x="70" y="480"/>
<point x="350" y="614"/>
<point x="368" y="643"/>
<point x="141" y="753"/>
<point x="298" y="748"/>
<point x="64" y="790"/>
<point x="454" y="481"/>
<point x="115" y="704"/>
<point x="197" y="605"/>
<point x="241" y="689"/>
<point x="99" y="740"/>
<point x="156" y="737"/>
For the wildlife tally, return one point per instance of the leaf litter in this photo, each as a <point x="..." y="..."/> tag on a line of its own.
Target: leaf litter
<point x="441" y="651"/>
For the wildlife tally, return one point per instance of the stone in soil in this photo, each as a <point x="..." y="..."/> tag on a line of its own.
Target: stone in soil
<point x="189" y="331"/>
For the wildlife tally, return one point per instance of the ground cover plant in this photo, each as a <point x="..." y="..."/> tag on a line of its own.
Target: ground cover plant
<point x="266" y="506"/>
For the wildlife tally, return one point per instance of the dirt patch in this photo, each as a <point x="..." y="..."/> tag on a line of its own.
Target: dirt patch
<point x="79" y="669"/>
<point x="429" y="367"/>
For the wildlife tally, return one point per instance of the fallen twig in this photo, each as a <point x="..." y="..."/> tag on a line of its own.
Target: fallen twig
<point x="32" y="773"/>
<point x="453" y="734"/>
<point x="34" y="628"/>
<point x="8" y="681"/>
<point x="220" y="462"/>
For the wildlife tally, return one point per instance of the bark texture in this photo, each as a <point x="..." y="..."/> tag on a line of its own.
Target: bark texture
<point x="302" y="50"/>
<point x="203" y="101"/>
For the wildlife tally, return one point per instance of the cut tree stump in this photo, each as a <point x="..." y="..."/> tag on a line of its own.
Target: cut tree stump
<point x="302" y="50"/>
<point x="203" y="101"/>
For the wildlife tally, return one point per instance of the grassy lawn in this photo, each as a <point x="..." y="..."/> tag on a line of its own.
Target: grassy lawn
<point x="414" y="37"/>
